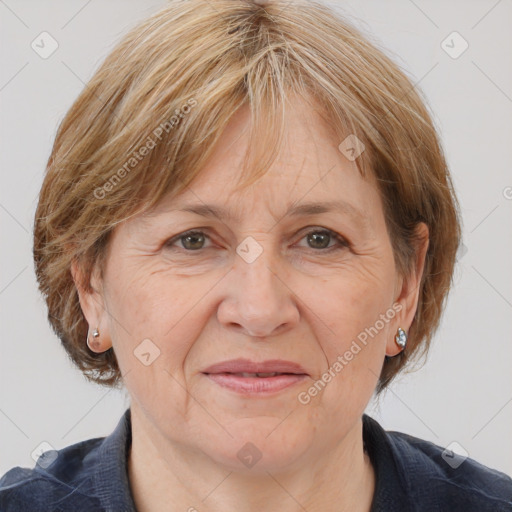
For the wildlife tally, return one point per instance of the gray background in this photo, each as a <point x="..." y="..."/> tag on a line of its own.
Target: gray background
<point x="463" y="394"/>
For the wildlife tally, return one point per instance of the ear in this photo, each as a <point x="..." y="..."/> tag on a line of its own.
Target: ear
<point x="408" y="289"/>
<point x="92" y="303"/>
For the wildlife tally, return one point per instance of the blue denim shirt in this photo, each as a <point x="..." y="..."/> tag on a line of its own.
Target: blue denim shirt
<point x="411" y="475"/>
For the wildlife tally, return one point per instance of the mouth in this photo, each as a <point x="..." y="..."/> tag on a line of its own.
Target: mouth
<point x="252" y="375"/>
<point x="256" y="383"/>
<point x="240" y="366"/>
<point x="251" y="378"/>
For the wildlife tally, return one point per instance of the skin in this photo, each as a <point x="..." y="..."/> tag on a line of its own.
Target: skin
<point x="297" y="301"/>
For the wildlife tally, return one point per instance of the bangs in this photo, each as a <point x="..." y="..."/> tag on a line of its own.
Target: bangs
<point x="168" y="114"/>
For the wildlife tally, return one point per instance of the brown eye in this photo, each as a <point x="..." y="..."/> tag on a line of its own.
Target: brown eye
<point x="190" y="241"/>
<point x="193" y="241"/>
<point x="319" y="239"/>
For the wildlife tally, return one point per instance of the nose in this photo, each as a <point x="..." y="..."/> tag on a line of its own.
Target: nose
<point x="258" y="300"/>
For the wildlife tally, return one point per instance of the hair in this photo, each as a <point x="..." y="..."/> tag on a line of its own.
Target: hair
<point x="150" y="116"/>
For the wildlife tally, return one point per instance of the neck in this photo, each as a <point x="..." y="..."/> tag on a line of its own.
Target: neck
<point x="165" y="475"/>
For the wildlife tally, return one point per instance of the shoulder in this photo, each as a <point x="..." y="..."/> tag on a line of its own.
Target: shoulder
<point x="61" y="480"/>
<point x="445" y="480"/>
<point x="90" y="475"/>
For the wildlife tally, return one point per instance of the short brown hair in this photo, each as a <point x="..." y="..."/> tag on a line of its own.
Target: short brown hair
<point x="171" y="86"/>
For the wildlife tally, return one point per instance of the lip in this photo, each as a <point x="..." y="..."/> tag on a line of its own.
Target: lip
<point x="255" y="385"/>
<point x="248" y="366"/>
<point x="228" y="374"/>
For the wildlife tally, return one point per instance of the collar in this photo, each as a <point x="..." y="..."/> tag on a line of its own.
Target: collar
<point x="113" y="487"/>
<point x="391" y="491"/>
<point x="111" y="478"/>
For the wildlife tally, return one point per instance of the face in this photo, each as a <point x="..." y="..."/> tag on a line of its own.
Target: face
<point x="260" y="283"/>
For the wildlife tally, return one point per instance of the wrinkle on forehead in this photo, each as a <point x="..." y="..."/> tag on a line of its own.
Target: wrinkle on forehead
<point x="309" y="158"/>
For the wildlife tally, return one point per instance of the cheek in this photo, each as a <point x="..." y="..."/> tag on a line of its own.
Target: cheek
<point x="151" y="304"/>
<point x="163" y="309"/>
<point x="353" y="301"/>
<point x="354" y="347"/>
<point x="352" y="314"/>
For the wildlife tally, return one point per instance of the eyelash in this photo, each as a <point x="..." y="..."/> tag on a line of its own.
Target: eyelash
<point x="342" y="242"/>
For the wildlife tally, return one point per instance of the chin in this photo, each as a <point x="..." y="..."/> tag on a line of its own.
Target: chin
<point x="260" y="445"/>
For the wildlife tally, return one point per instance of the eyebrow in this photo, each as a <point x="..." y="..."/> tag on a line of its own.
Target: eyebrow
<point x="294" y="210"/>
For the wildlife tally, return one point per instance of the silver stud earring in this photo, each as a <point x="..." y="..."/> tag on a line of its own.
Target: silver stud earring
<point x="401" y="338"/>
<point x="95" y="334"/>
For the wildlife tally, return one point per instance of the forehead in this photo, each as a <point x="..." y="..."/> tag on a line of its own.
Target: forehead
<point x="309" y="176"/>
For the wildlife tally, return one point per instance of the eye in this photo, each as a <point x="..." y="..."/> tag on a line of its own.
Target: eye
<point x="320" y="238"/>
<point x="190" y="240"/>
<point x="317" y="239"/>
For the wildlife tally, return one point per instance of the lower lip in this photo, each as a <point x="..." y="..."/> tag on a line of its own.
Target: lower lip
<point x="255" y="385"/>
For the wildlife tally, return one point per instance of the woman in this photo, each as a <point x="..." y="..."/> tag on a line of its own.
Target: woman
<point x="248" y="221"/>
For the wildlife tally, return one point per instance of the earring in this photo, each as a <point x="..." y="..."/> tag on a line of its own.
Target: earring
<point x="95" y="334"/>
<point x="401" y="338"/>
